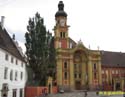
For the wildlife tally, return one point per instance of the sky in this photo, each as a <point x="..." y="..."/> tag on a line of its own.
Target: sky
<point x="98" y="23"/>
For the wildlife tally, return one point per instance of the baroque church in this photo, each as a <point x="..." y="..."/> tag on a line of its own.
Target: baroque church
<point x="79" y="68"/>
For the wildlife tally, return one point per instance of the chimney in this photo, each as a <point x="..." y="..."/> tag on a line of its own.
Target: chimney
<point x="2" y="21"/>
<point x="13" y="37"/>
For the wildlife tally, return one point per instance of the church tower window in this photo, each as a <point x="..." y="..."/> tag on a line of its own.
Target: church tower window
<point x="61" y="34"/>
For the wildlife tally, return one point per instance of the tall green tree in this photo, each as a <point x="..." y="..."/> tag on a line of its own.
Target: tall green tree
<point x="52" y="59"/>
<point x="38" y="49"/>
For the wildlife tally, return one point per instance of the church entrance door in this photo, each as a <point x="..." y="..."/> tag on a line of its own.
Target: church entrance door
<point x="78" y="85"/>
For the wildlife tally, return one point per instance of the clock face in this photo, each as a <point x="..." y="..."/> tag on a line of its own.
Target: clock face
<point x="62" y="22"/>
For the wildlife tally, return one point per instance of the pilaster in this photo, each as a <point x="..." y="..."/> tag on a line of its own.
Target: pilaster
<point x="71" y="74"/>
<point x="90" y="72"/>
<point x="100" y="73"/>
<point x="59" y="72"/>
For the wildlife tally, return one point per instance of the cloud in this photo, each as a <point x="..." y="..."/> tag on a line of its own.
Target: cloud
<point x="96" y="22"/>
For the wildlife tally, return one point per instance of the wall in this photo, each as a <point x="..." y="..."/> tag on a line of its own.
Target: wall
<point x="32" y="91"/>
<point x="12" y="84"/>
<point x="112" y="75"/>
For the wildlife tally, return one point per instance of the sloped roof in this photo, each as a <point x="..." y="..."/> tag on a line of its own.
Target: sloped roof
<point x="8" y="44"/>
<point x="112" y="59"/>
<point x="72" y="41"/>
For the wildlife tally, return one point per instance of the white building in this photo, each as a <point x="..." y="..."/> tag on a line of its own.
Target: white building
<point x="12" y="66"/>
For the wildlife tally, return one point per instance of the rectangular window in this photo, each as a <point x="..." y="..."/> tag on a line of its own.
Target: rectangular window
<point x="6" y="57"/>
<point x="21" y="75"/>
<point x="12" y="59"/>
<point x="80" y="75"/>
<point x="21" y="92"/>
<point x="63" y="34"/>
<point x="16" y="62"/>
<point x="11" y="75"/>
<point x="65" y="75"/>
<point x="95" y="67"/>
<point x="95" y="75"/>
<point x="75" y="75"/>
<point x="16" y="75"/>
<point x="14" y="93"/>
<point x="5" y="72"/>
<point x="65" y="65"/>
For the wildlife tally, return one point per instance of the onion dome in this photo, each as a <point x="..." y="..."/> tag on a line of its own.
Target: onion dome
<point x="61" y="11"/>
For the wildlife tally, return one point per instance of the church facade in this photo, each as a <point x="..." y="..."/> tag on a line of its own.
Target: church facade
<point x="77" y="67"/>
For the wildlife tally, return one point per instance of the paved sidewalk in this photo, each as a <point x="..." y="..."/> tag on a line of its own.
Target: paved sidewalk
<point x="79" y="94"/>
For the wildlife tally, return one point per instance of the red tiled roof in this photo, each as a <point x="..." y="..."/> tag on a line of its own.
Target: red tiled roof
<point x="113" y="59"/>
